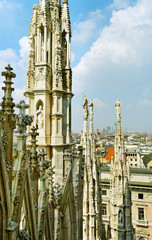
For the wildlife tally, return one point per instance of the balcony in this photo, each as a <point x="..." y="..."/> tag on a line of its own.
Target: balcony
<point x="143" y="223"/>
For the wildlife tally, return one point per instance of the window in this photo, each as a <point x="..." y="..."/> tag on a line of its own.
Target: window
<point x="104" y="209"/>
<point x="104" y="192"/>
<point x="140" y="196"/>
<point x="141" y="213"/>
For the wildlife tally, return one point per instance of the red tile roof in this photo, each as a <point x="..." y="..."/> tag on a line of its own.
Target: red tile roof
<point x="110" y="153"/>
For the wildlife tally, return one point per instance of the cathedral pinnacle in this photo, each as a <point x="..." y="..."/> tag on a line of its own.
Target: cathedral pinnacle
<point x="8" y="74"/>
<point x="7" y="104"/>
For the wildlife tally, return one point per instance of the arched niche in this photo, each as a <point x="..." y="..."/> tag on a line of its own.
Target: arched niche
<point x="40" y="114"/>
<point x="64" y="48"/>
<point x="120" y="217"/>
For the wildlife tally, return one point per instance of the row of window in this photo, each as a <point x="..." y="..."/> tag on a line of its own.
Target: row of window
<point x="133" y="165"/>
<point x="141" y="213"/>
<point x="131" y="154"/>
<point x="135" y="160"/>
<point x="140" y="195"/>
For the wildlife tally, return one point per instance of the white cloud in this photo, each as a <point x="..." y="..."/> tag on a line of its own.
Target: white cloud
<point x="23" y="42"/>
<point x="145" y="102"/>
<point x="18" y="94"/>
<point x="119" y="56"/>
<point x="19" y="64"/>
<point x="85" y="29"/>
<point x="118" y="4"/>
<point x="7" y="56"/>
<point x="98" y="103"/>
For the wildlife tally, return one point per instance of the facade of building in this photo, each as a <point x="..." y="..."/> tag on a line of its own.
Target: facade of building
<point x="141" y="198"/>
<point x="49" y="78"/>
<point x="120" y="194"/>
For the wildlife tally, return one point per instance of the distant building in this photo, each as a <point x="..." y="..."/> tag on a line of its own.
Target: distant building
<point x="141" y="192"/>
<point x="133" y="156"/>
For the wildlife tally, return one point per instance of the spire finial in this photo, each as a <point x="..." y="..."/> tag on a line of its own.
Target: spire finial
<point x="9" y="73"/>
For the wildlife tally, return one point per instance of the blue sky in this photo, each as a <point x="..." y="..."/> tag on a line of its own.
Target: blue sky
<point x="111" y="57"/>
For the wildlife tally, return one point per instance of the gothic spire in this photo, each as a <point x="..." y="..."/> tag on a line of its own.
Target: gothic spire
<point x="66" y="24"/>
<point x="120" y="220"/>
<point x="119" y="138"/>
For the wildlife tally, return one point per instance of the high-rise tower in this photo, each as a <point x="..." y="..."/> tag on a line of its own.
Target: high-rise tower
<point x="49" y="78"/>
<point x="120" y="199"/>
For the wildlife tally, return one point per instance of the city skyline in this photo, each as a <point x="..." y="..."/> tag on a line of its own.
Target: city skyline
<point x="111" y="57"/>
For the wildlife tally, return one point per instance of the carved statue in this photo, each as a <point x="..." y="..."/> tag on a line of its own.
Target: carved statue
<point x="85" y="108"/>
<point x="120" y="216"/>
<point x="39" y="114"/>
<point x="118" y="108"/>
<point x="42" y="52"/>
<point x="91" y="110"/>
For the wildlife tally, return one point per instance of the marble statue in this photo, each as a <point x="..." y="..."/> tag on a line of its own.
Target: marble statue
<point x="91" y="110"/>
<point x="118" y="108"/>
<point x="39" y="114"/>
<point x="85" y="108"/>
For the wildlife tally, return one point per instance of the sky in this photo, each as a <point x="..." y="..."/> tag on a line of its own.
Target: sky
<point x="111" y="57"/>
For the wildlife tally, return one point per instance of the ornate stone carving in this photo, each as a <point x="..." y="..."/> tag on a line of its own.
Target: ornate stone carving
<point x="23" y="235"/>
<point x="22" y="120"/>
<point x="20" y="179"/>
<point x="50" y="172"/>
<point x="16" y="202"/>
<point x="34" y="157"/>
<point x="57" y="194"/>
<point x="24" y="159"/>
<point x="4" y="139"/>
<point x="8" y="165"/>
<point x="7" y="104"/>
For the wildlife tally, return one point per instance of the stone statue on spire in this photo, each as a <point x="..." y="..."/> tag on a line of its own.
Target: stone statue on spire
<point x="118" y="108"/>
<point x="85" y="108"/>
<point x="91" y="117"/>
<point x="91" y="110"/>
